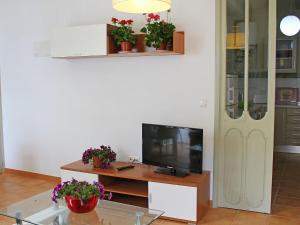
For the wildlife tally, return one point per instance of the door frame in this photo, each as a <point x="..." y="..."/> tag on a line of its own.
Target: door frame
<point x="2" y="154"/>
<point x="218" y="59"/>
<point x="218" y="73"/>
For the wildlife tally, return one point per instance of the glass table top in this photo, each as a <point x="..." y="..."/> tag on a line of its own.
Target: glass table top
<point x="39" y="210"/>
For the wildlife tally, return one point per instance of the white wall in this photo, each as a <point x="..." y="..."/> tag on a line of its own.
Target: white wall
<point x="54" y="108"/>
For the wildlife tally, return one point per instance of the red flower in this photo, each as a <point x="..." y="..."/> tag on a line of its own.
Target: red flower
<point x="123" y="22"/>
<point x="151" y="15"/>
<point x="129" y="22"/>
<point x="149" y="20"/>
<point x="114" y="20"/>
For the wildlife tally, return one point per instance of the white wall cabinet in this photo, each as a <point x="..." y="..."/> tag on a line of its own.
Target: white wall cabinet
<point x="173" y="199"/>
<point x="67" y="175"/>
<point x="79" y="41"/>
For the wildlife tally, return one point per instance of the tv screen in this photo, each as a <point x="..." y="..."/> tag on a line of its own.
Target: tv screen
<point x="175" y="147"/>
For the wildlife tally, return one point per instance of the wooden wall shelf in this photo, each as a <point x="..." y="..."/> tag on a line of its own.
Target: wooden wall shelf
<point x="138" y="54"/>
<point x="178" y="46"/>
<point x="97" y="41"/>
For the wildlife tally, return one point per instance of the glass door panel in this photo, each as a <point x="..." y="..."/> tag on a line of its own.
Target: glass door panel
<point x="258" y="58"/>
<point x="235" y="58"/>
<point x="286" y="55"/>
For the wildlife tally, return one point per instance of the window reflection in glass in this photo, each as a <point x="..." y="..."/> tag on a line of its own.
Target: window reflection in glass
<point x="235" y="58"/>
<point x="258" y="58"/>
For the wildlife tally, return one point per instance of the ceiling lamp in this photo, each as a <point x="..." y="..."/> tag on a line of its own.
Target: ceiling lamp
<point x="141" y="6"/>
<point x="235" y="39"/>
<point x="290" y="25"/>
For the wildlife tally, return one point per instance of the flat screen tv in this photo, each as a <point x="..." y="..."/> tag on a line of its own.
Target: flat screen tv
<point x="177" y="150"/>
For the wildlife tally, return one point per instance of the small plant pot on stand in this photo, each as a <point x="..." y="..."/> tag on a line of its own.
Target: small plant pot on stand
<point x="126" y="47"/>
<point x="101" y="157"/>
<point x="97" y="162"/>
<point x="162" y="47"/>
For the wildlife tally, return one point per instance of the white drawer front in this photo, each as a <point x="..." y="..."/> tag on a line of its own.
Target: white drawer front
<point x="67" y="175"/>
<point x="79" y="41"/>
<point x="176" y="201"/>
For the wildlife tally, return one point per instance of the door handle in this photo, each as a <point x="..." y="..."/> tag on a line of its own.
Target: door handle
<point x="150" y="198"/>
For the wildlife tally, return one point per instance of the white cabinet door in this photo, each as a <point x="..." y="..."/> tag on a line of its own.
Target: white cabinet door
<point x="79" y="41"/>
<point x="176" y="201"/>
<point x="67" y="175"/>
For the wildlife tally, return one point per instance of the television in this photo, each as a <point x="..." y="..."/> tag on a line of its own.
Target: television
<point x="176" y="150"/>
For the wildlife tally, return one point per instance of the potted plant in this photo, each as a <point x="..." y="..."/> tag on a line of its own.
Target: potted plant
<point x="159" y="33"/>
<point x="80" y="196"/>
<point x="123" y="34"/>
<point x="102" y="157"/>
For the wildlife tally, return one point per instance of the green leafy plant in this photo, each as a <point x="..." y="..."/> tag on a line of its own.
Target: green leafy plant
<point x="122" y="32"/>
<point x="79" y="189"/>
<point x="158" y="31"/>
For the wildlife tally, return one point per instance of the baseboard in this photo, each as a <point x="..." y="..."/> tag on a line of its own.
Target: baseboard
<point x="287" y="149"/>
<point x="32" y="174"/>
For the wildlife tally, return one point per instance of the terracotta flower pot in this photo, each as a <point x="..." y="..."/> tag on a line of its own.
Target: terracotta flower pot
<point x="126" y="46"/>
<point x="96" y="162"/>
<point x="162" y="47"/>
<point x="79" y="206"/>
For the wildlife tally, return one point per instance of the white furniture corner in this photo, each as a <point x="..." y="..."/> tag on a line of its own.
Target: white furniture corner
<point x="175" y="200"/>
<point x="79" y="41"/>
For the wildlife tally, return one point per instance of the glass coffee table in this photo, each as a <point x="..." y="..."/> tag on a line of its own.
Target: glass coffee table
<point x="39" y="210"/>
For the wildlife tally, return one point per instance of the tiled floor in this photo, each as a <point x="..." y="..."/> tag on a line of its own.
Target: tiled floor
<point x="286" y="180"/>
<point x="285" y="202"/>
<point x="286" y="185"/>
<point x="15" y="187"/>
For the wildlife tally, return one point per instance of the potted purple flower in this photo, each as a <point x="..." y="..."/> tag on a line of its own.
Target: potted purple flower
<point x="102" y="157"/>
<point x="80" y="196"/>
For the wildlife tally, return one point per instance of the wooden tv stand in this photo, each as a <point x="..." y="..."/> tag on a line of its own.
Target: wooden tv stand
<point x="183" y="199"/>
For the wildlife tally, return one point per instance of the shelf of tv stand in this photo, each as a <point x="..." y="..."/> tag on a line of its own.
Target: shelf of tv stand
<point x="127" y="187"/>
<point x="130" y="200"/>
<point x="141" y="172"/>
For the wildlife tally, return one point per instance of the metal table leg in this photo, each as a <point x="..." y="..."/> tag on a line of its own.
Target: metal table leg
<point x="139" y="218"/>
<point x="18" y="219"/>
